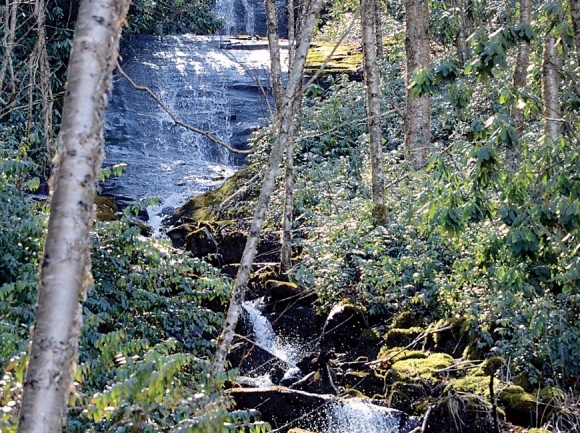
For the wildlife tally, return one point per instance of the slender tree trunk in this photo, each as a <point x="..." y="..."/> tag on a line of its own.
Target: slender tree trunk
<point x="65" y="273"/>
<point x="461" y="38"/>
<point x="274" y="43"/>
<point x="575" y="11"/>
<point x="417" y="122"/>
<point x="44" y="84"/>
<point x="550" y="88"/>
<point x="520" y="74"/>
<point x="378" y="28"/>
<point x="8" y="40"/>
<point x="521" y="67"/>
<point x="373" y="109"/>
<point x="284" y="128"/>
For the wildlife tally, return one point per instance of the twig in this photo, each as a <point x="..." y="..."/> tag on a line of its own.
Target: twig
<point x="243" y="189"/>
<point x="176" y="120"/>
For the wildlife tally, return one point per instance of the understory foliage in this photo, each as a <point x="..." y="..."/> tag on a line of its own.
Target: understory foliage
<point x="467" y="236"/>
<point x="148" y="330"/>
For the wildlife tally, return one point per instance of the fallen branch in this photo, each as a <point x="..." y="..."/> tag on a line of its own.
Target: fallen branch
<point x="240" y="191"/>
<point x="175" y="119"/>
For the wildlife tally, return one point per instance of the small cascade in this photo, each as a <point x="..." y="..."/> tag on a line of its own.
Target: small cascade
<point x="336" y="415"/>
<point x="266" y="338"/>
<point x="355" y="415"/>
<point x="238" y="20"/>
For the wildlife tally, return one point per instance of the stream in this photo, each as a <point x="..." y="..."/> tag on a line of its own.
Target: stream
<point x="217" y="84"/>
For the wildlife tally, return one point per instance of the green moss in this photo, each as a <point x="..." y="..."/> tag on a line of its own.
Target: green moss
<point x="478" y="385"/>
<point x="490" y="365"/>
<point x="551" y="394"/>
<point x="515" y="398"/>
<point x="106" y="208"/>
<point x="539" y="430"/>
<point x="345" y="59"/>
<point x="205" y="206"/>
<point x="402" y="337"/>
<point x="386" y="353"/>
<point x="406" y="319"/>
<point x="426" y="368"/>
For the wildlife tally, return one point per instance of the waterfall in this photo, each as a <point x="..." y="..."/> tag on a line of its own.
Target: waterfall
<point x="266" y="338"/>
<point x="356" y="415"/>
<point x="237" y="19"/>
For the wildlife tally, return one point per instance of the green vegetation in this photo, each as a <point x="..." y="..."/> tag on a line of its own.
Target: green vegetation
<point x="471" y="241"/>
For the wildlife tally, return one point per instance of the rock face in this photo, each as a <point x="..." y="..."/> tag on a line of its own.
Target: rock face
<point x="343" y="327"/>
<point x="210" y="82"/>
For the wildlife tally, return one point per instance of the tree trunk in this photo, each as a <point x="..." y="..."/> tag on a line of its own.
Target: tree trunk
<point x="378" y="28"/>
<point x="284" y="128"/>
<point x="373" y="109"/>
<point x="575" y="11"/>
<point x="65" y="273"/>
<point x="521" y="67"/>
<point x="274" y="42"/>
<point x="417" y="122"/>
<point x="520" y="74"/>
<point x="550" y="88"/>
<point x="8" y="41"/>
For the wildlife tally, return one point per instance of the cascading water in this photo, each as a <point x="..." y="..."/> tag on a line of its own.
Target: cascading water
<point x="212" y="83"/>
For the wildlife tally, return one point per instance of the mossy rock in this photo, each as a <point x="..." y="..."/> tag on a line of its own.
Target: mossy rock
<point x="367" y="382"/>
<point x="551" y="394"/>
<point x="453" y="340"/>
<point x="107" y="207"/>
<point x="393" y="355"/>
<point x="346" y="59"/>
<point x="204" y="207"/>
<point x="406" y="319"/>
<point x="520" y="406"/>
<point x="539" y="430"/>
<point x="399" y="337"/>
<point x="403" y="396"/>
<point x="370" y="340"/>
<point x="421" y="369"/>
<point x="488" y="366"/>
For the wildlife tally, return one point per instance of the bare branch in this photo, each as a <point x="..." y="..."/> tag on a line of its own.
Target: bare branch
<point x="176" y="120"/>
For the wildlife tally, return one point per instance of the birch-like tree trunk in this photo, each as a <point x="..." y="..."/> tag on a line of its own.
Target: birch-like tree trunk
<point x="519" y="80"/>
<point x="368" y="14"/>
<point x="550" y="88"/>
<point x="283" y="135"/>
<point x="521" y="67"/>
<point x="418" y="114"/>
<point x="575" y="12"/>
<point x="378" y="29"/>
<point x="65" y="272"/>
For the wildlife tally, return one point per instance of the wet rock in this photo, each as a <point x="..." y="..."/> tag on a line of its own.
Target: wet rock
<point x="291" y="376"/>
<point x="178" y="235"/>
<point x="294" y="324"/>
<point x="231" y="247"/>
<point x="343" y="327"/>
<point x="403" y="395"/>
<point x="201" y="242"/>
<point x="370" y="383"/>
<point x="287" y="408"/>
<point x="283" y="294"/>
<point x="254" y="361"/>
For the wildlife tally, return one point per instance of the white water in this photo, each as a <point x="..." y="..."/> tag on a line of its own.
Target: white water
<point x="266" y="338"/>
<point x="354" y="415"/>
<point x="225" y="9"/>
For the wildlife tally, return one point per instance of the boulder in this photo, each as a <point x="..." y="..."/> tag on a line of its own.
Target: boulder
<point x="254" y="361"/>
<point x="201" y="242"/>
<point x="287" y="409"/>
<point x="343" y="327"/>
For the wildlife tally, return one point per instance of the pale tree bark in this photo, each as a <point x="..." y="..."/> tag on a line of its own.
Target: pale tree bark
<point x="283" y="134"/>
<point x="274" y="44"/>
<point x="550" y="88"/>
<point x="519" y="80"/>
<point x="65" y="272"/>
<point x="461" y="38"/>
<point x="378" y="29"/>
<point x="373" y="109"/>
<point x="417" y="116"/>
<point x="575" y="12"/>
<point x="521" y="67"/>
